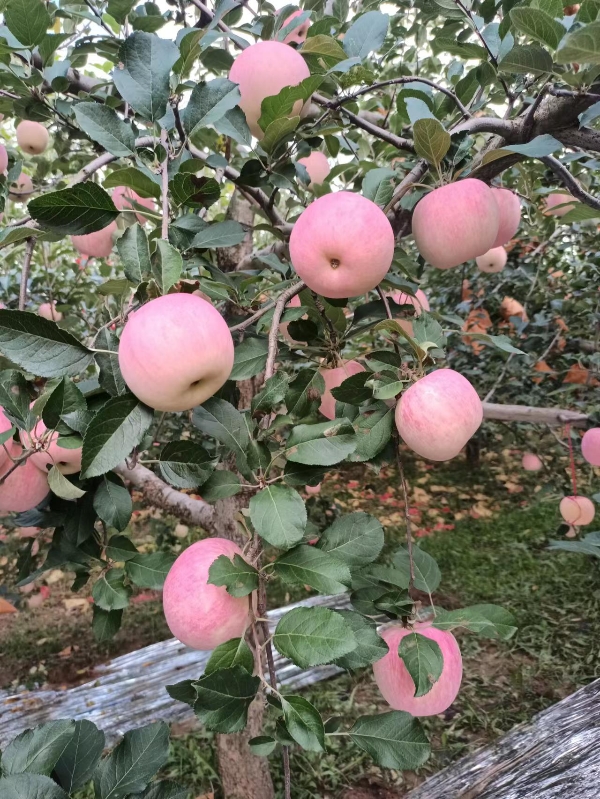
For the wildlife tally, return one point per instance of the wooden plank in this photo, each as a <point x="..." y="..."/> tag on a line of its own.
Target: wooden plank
<point x="129" y="691"/>
<point x="555" y="756"/>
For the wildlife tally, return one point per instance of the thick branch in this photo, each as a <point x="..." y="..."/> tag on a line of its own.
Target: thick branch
<point x="570" y="182"/>
<point x="282" y="300"/>
<point x="554" y="417"/>
<point x="161" y="495"/>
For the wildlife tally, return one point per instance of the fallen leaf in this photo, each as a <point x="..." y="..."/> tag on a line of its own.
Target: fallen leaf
<point x="6" y="607"/>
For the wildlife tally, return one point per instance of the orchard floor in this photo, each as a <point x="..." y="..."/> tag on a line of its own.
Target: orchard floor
<point x="488" y="527"/>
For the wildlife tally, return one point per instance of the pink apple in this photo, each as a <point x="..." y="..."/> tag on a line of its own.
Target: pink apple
<point x="438" y="414"/>
<point x="47" y="310"/>
<point x="342" y="245"/>
<point x="396" y="684"/>
<point x="67" y="461"/>
<point x="199" y="614"/>
<point x="455" y="223"/>
<point x="121" y="197"/>
<point x="32" y="137"/>
<point x="263" y="70"/>
<point x="3" y="159"/>
<point x="492" y="261"/>
<point x="559" y="204"/>
<point x="312" y="491"/>
<point x="317" y="167"/>
<point x="509" y="207"/>
<point x="577" y="510"/>
<point x="590" y="446"/>
<point x="334" y="378"/>
<point x="24" y="488"/>
<point x="298" y="35"/>
<point x="9" y="447"/>
<point x="21" y="188"/>
<point x="98" y="244"/>
<point x="175" y="352"/>
<point x="531" y="462"/>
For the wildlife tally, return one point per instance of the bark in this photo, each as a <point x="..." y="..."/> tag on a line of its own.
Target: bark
<point x="555" y="417"/>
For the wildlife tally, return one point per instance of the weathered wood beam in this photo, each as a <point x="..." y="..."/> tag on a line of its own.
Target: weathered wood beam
<point x="555" y="417"/>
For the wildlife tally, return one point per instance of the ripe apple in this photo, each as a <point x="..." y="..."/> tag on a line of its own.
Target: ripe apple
<point x="396" y="684"/>
<point x="3" y="159"/>
<point x="559" y="204"/>
<point x="509" y="207"/>
<point x="297" y="35"/>
<point x="455" y="223"/>
<point x="317" y="167"/>
<point x="32" y="137"/>
<point x="334" y="378"/>
<point x="199" y="614"/>
<point x="98" y="244"/>
<point x="47" y="310"/>
<point x="21" y="188"/>
<point x="24" y="488"/>
<point x="577" y="510"/>
<point x="531" y="462"/>
<point x="67" y="461"/>
<point x="438" y="414"/>
<point x="492" y="261"/>
<point x="175" y="352"/>
<point x="121" y="197"/>
<point x="342" y="245"/>
<point x="590" y="446"/>
<point x="263" y="70"/>
<point x="419" y="302"/>
<point x="313" y="490"/>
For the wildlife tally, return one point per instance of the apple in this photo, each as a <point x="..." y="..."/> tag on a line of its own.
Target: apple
<point x="24" y="488"/>
<point x="297" y="35"/>
<point x="342" y="245"/>
<point x="312" y="491"/>
<point x="531" y="462"/>
<point x="559" y="204"/>
<point x="590" y="446"/>
<point x="492" y="261"/>
<point x="509" y="207"/>
<point x="121" y="197"/>
<point x="577" y="510"/>
<point x="47" y="310"/>
<point x="21" y="188"/>
<point x="175" y="352"/>
<point x="396" y="684"/>
<point x="438" y="414"/>
<point x="98" y="244"/>
<point x="199" y="614"/>
<point x="32" y="137"/>
<point x="67" y="461"/>
<point x="334" y="378"/>
<point x="317" y="167"/>
<point x="9" y="447"/>
<point x="419" y="302"/>
<point x="455" y="223"/>
<point x="3" y="159"/>
<point x="263" y="70"/>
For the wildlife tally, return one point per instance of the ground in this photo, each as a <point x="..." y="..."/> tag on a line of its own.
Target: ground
<point x="488" y="524"/>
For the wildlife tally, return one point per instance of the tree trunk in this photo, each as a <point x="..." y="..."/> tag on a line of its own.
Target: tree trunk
<point x="243" y="775"/>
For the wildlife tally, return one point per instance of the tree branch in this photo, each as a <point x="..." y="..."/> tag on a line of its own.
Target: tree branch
<point x="283" y="298"/>
<point x="554" y="417"/>
<point x="570" y="182"/>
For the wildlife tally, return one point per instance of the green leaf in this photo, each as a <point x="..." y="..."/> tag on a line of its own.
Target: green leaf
<point x="526" y="59"/>
<point x="304" y="723"/>
<point x="150" y="570"/>
<point x="208" y="103"/>
<point x="373" y="431"/>
<point x="355" y="539"/>
<point x="272" y="393"/>
<point x="120" y="9"/>
<point x="536" y="148"/>
<point x="499" y="342"/>
<point x="307" y="565"/>
<point x="234" y="652"/>
<point x="220" y="420"/>
<point x="118" y="427"/>
<point x="371" y="646"/>
<point x="131" y="177"/>
<point x="353" y="390"/>
<point x="224" y="698"/>
<point x="580" y="213"/>
<point x="185" y="464"/>
<point x="78" y="761"/>
<point x="378" y="185"/>
<point x="30" y="786"/>
<point x="323" y="444"/>
<point x="326" y="46"/>
<point x="313" y="636"/>
<point x="134" y="252"/>
<point x="142" y="74"/>
<point x="219" y="234"/>
<point x="250" y="358"/>
<point x="262" y="745"/>
<point x="106" y="623"/>
<point x="183" y="691"/>
<point x="40" y="346"/>
<point x="305" y="391"/>
<point x="167" y="265"/>
<point x="112" y="502"/>
<point x="427" y="573"/>
<point x="277" y="131"/>
<point x="27" y="20"/>
<point x="37" y="751"/>
<point x="133" y="763"/>
<point x="196" y="192"/>
<point x="581" y="46"/>
<point x="490" y="621"/>
<point x="278" y="514"/>
<point x="432" y="142"/>
<point x="110" y="591"/>
<point x="282" y="104"/>
<point x="103" y="125"/>
<point x="394" y="740"/>
<point x="15" y="399"/>
<point x="66" y="403"/>
<point x="109" y="377"/>
<point x="538" y="25"/>
<point x="165" y="790"/>
<point x="82" y="209"/>
<point x="423" y="660"/>
<point x="238" y="577"/>
<point x="121" y="548"/>
<point x="220" y="485"/>
<point x="366" y="34"/>
<point x="62" y="486"/>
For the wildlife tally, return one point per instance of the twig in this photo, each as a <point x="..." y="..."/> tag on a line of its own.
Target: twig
<point x="570" y="182"/>
<point x="388" y="313"/>
<point x="30" y="246"/>
<point x="165" y="186"/>
<point x="251" y="319"/>
<point x="499" y="379"/>
<point x="414" y="176"/>
<point x="18" y="462"/>
<point x="97" y="14"/>
<point x="283" y="298"/>
<point x="548" y="349"/>
<point x="411" y="581"/>
<point x="220" y="24"/>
